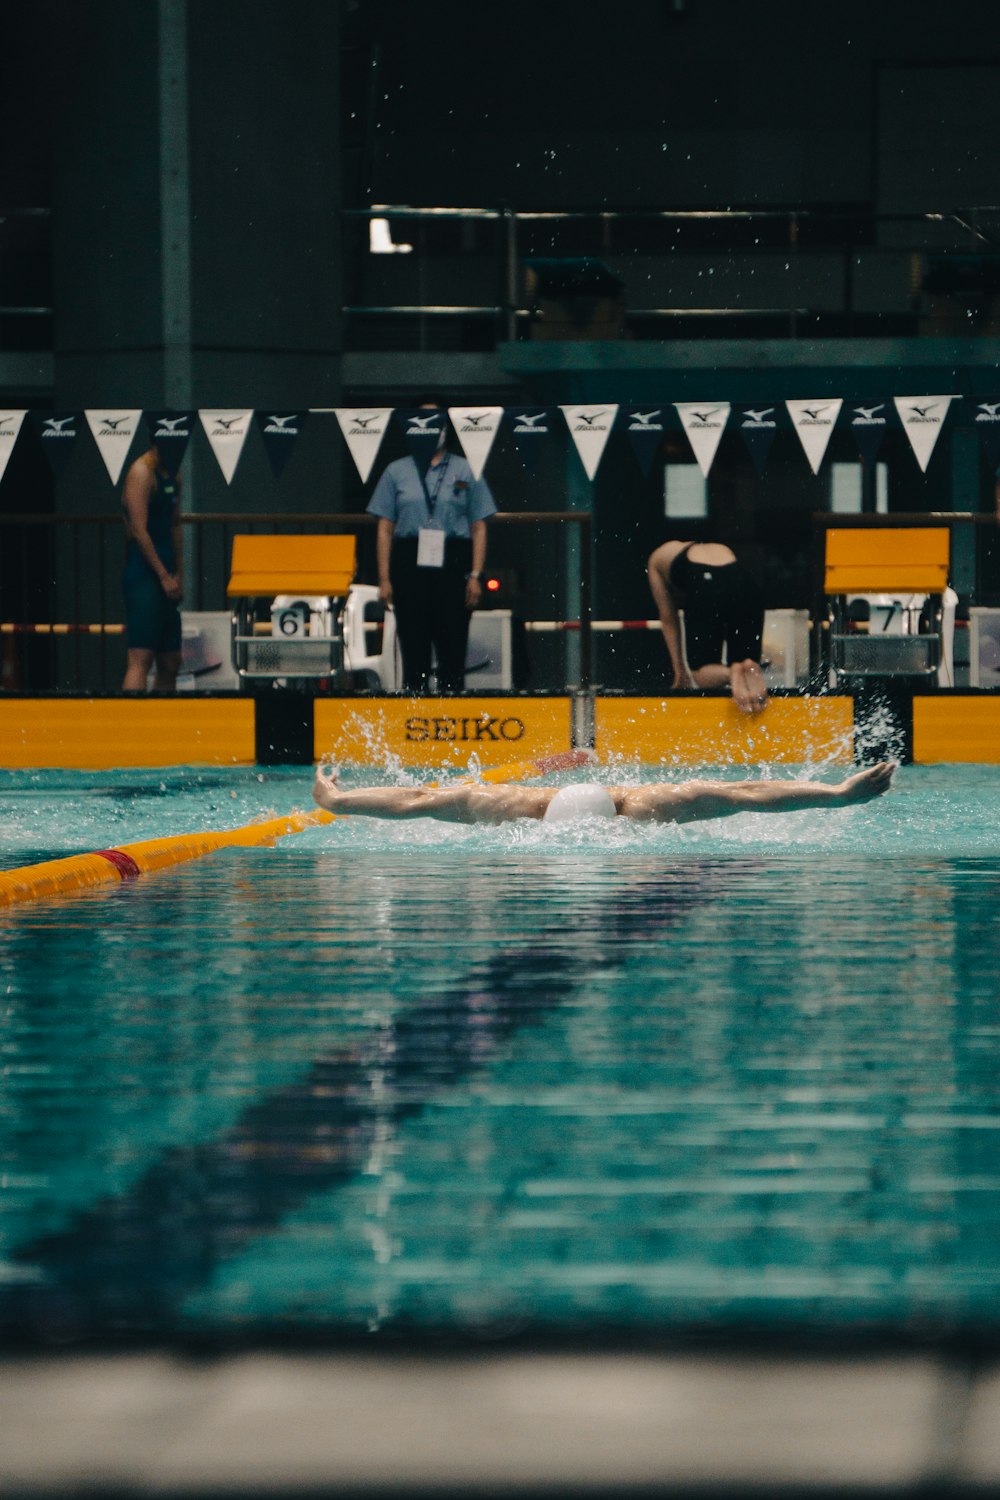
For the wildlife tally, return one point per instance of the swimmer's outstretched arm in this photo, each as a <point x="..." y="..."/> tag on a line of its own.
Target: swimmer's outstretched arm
<point x="695" y="800"/>
<point x="459" y="804"/>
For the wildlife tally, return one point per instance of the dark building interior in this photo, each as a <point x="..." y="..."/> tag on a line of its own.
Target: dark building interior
<point x="215" y="204"/>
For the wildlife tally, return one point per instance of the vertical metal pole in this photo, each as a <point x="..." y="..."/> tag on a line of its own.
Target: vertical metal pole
<point x="102" y="605"/>
<point x="512" y="298"/>
<point x="199" y="556"/>
<point x="77" y="663"/>
<point x="175" y="205"/>
<point x="793" y="244"/>
<point x="422" y="284"/>
<point x="175" y="214"/>
<point x="586" y="604"/>
<point x="578" y="498"/>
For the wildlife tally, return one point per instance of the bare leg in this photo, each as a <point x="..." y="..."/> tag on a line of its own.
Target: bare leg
<point x="168" y="664"/>
<point x="712" y="675"/>
<point x="693" y="801"/>
<point x="137" y="670"/>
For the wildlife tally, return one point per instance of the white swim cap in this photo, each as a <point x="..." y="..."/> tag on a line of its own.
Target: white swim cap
<point x="586" y="800"/>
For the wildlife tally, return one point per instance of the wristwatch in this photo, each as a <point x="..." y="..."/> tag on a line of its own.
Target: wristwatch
<point x="477" y="576"/>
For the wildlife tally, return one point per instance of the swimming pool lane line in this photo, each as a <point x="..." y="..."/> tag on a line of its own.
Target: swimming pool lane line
<point x="77" y="872"/>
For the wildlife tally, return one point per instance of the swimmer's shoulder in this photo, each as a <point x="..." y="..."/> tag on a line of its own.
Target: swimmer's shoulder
<point x="655" y="802"/>
<point x="663" y="556"/>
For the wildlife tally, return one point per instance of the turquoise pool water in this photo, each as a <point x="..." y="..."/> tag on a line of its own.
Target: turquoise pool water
<point x="409" y="1078"/>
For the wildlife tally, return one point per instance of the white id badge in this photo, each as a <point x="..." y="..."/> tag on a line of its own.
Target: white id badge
<point x="430" y="548"/>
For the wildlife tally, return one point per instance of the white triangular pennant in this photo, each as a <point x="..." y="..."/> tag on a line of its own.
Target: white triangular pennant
<point x="704" y="422"/>
<point x="591" y="427"/>
<point x="226" y="431"/>
<point x="10" y="426"/>
<point x="922" y="418"/>
<point x="364" y="428"/>
<point x="814" y="422"/>
<point x="476" y="427"/>
<point x="113" y="433"/>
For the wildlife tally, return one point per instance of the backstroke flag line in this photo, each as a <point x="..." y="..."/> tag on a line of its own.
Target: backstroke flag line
<point x="590" y="427"/>
<point x="113" y="432"/>
<point x="814" y="422"/>
<point x="922" y="418"/>
<point x="476" y="427"/>
<point x="227" y="432"/>
<point x="10" y="426"/>
<point x="647" y="428"/>
<point x="704" y="422"/>
<point x="363" y="428"/>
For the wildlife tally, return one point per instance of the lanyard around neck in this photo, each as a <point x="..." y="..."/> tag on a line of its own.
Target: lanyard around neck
<point x="432" y="499"/>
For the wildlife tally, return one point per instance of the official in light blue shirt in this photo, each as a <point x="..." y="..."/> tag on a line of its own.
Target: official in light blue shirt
<point x="431" y="549"/>
<point x="448" y="499"/>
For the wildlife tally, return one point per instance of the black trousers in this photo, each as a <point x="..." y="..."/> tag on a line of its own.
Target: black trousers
<point x="431" y="613"/>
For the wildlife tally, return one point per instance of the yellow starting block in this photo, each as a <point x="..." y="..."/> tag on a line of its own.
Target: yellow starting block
<point x="301" y="571"/>
<point x="902" y="573"/>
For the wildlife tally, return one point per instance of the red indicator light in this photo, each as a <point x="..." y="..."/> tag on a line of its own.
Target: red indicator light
<point x="492" y="585"/>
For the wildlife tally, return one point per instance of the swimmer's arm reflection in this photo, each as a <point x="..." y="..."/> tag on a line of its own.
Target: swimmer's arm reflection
<point x="660" y="802"/>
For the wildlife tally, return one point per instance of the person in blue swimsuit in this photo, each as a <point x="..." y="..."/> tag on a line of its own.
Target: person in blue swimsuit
<point x="433" y="590"/>
<point x="722" y="605"/>
<point x="152" y="578"/>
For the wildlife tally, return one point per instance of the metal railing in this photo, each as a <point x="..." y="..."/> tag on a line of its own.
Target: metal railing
<point x="62" y="603"/>
<point x="60" y="583"/>
<point x="743" y="235"/>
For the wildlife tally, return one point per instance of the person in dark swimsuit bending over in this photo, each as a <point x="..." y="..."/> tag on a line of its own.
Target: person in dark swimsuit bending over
<point x="721" y="604"/>
<point x="659" y="802"/>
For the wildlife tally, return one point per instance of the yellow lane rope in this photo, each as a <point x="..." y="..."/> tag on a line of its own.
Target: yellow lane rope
<point x="76" y="872"/>
<point x="522" y="770"/>
<point x="110" y="866"/>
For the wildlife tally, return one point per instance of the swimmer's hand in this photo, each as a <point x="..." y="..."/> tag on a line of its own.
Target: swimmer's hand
<point x="748" y="686"/>
<point x="864" y="785"/>
<point x="325" y="790"/>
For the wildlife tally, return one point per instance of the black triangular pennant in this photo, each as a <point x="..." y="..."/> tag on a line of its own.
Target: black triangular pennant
<point x="171" y="432"/>
<point x="529" y="426"/>
<point x="757" y="426"/>
<point x="424" y="430"/>
<point x="987" y="420"/>
<point x="645" y="426"/>
<point x="868" y="421"/>
<point x="58" y="435"/>
<point x="279" y="431"/>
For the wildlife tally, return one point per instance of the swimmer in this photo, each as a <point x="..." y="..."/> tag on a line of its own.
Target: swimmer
<point x="657" y="802"/>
